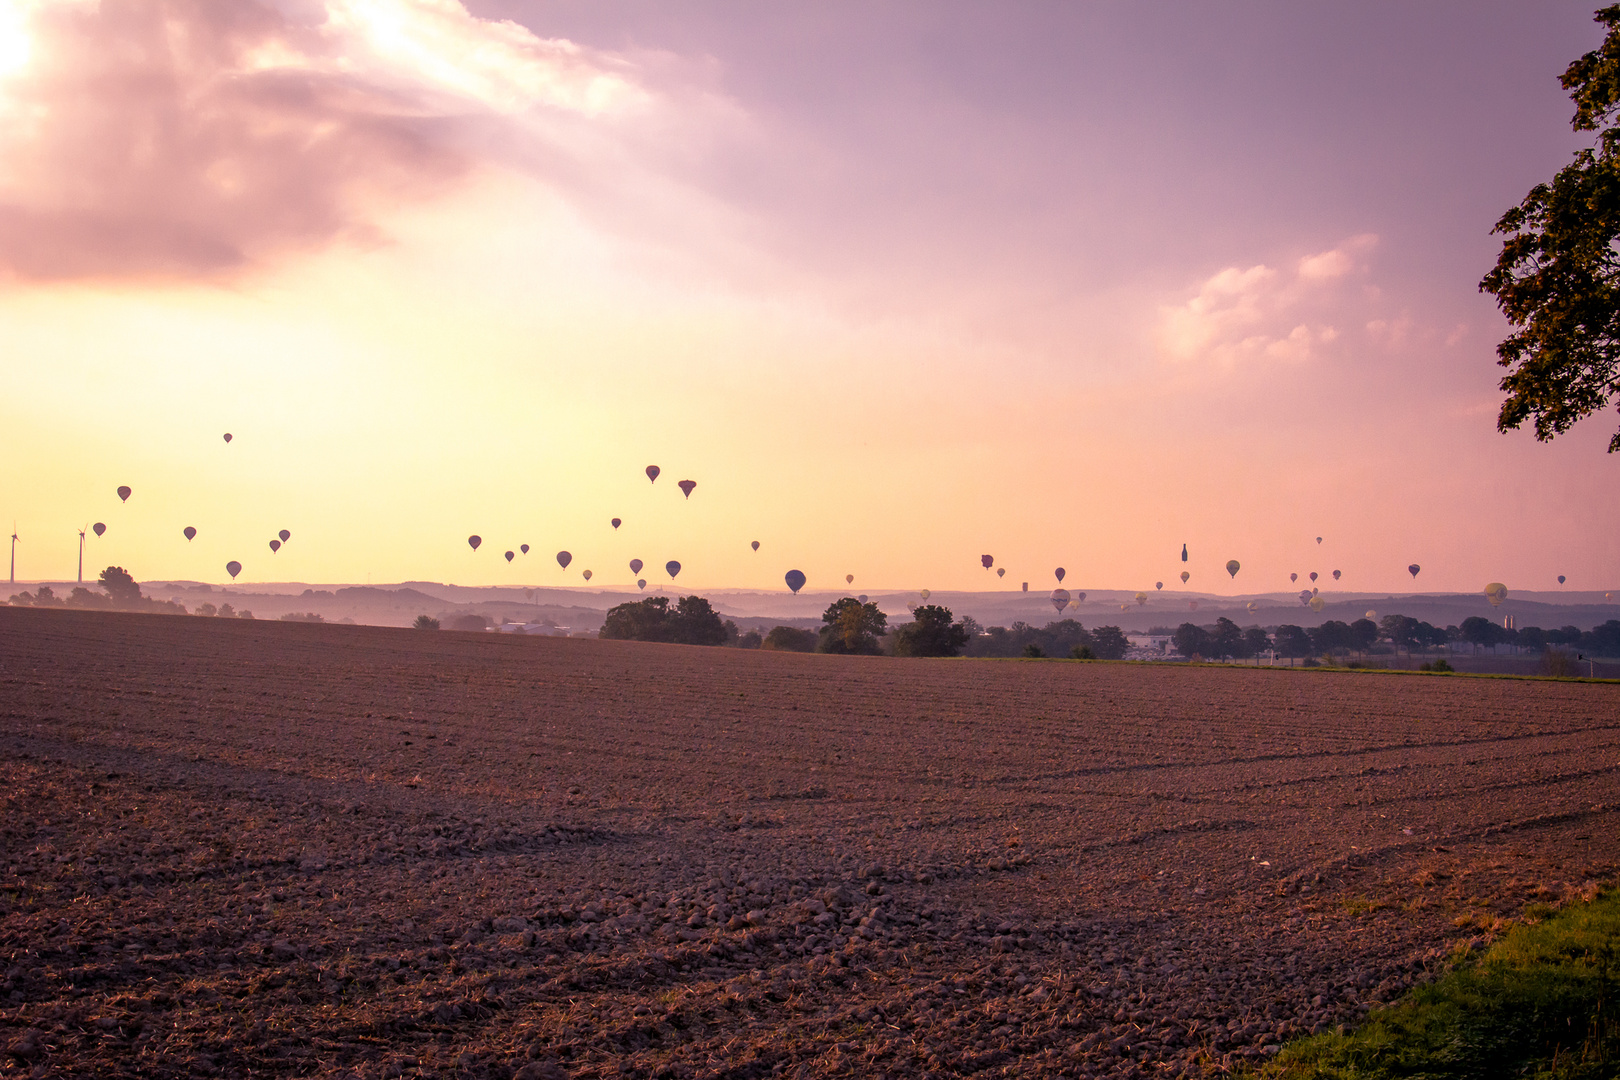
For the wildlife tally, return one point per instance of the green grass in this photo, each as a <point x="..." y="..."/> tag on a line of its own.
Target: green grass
<point x="1542" y="1003"/>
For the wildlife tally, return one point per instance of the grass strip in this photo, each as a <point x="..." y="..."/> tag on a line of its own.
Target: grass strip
<point x="1543" y="1003"/>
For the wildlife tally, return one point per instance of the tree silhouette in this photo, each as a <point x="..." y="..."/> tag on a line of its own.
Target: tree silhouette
<point x="932" y="633"/>
<point x="120" y="586"/>
<point x="852" y="627"/>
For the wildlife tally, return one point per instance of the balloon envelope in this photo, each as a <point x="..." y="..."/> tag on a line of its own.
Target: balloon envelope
<point x="523" y="548"/>
<point x="1496" y="592"/>
<point x="1059" y="572"/>
<point x="686" y="487"/>
<point x="1318" y="539"/>
<point x="849" y="579"/>
<point x="1059" y="598"/>
<point x="98" y="528"/>
<point x="1158" y="584"/>
<point x="1304" y="596"/>
<point x="1253" y="607"/>
<point x="1141" y="598"/>
<point x="563" y="559"/>
<point x="987" y="561"/>
<point x="1372" y="615"/>
<point x="123" y="494"/>
<point x="616" y="523"/>
<point x="755" y="545"/>
<point x="861" y="598"/>
<point x="1293" y="577"/>
<point x="227" y="436"/>
<point x="1079" y="598"/>
<point x="1413" y="569"/>
<point x="795" y="580"/>
<point x="1313" y="575"/>
<point x="641" y="583"/>
<point x="1560" y="579"/>
<point x="1336" y="574"/>
<point x="925" y="594"/>
<point x="275" y="546"/>
<point x="474" y="541"/>
<point x="652" y="473"/>
<point x="190" y="532"/>
<point x="1001" y="571"/>
<point x="1183" y="552"/>
<point x="1026" y="586"/>
<point x="233" y="568"/>
<point x="635" y="566"/>
<point x="672" y="568"/>
<point x="587" y="575"/>
<point x="510" y="555"/>
<point x="1233" y="566"/>
<point x="1317" y="604"/>
<point x="285" y="535"/>
<point x="1184" y="576"/>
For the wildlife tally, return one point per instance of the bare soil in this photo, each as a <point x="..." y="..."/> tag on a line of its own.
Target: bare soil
<point x="260" y="849"/>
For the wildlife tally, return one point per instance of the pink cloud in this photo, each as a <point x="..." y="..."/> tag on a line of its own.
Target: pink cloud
<point x="194" y="137"/>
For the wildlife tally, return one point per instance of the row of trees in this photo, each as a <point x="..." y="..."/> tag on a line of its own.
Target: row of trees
<point x="120" y="592"/>
<point x="1064" y="638"/>
<point x="849" y="627"/>
<point x="1225" y="640"/>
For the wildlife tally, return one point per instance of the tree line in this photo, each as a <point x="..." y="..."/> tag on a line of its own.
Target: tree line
<point x="1226" y="641"/>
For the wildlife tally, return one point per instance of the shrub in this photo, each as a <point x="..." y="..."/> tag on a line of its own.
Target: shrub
<point x="1443" y="666"/>
<point x="1033" y="651"/>
<point x="307" y="616"/>
<point x="470" y="621"/>
<point x="1083" y="652"/>
<point x="790" y="639"/>
<point x="426" y="622"/>
<point x="751" y="640"/>
<point x="1558" y="663"/>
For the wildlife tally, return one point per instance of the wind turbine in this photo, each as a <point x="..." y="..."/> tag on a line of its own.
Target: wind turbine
<point x="14" y="539"/>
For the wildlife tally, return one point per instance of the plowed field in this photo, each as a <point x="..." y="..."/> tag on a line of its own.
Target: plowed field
<point x="264" y="849"/>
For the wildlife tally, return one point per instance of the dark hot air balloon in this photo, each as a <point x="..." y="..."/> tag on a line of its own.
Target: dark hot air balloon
<point x="1059" y="572"/>
<point x="1413" y="569"/>
<point x="1158" y="584"/>
<point x="123" y="494"/>
<point x="1293" y="577"/>
<point x="755" y="545"/>
<point x="861" y="598"/>
<point x="1026" y="586"/>
<point x="1318" y="539"/>
<point x="987" y="561"/>
<point x="849" y="579"/>
<point x="1183" y="552"/>
<point x="795" y="580"/>
<point x="227" y="436"/>
<point x="1184" y="576"/>
<point x="510" y="555"/>
<point x="686" y="487"/>
<point x="190" y="532"/>
<point x="587" y="575"/>
<point x="1336" y="574"/>
<point x="672" y="568"/>
<point x="98" y="528"/>
<point x="474" y="540"/>
<point x="275" y="546"/>
<point x="1233" y="566"/>
<point x="233" y="568"/>
<point x="1079" y="598"/>
<point x="641" y="583"/>
<point x="1305" y="596"/>
<point x="1001" y="571"/>
<point x="285" y="535"/>
<point x="523" y="548"/>
<point x="635" y="566"/>
<point x="652" y="474"/>
<point x="563" y="559"/>
<point x="1560" y="579"/>
<point x="616" y="523"/>
<point x="1313" y="575"/>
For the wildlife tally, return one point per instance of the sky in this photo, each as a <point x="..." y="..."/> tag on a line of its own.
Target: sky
<point x="897" y="285"/>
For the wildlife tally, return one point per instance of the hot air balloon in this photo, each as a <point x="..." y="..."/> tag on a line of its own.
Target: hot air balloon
<point x="1496" y="592"/>
<point x="987" y="561"/>
<point x="652" y="474"/>
<point x="849" y="579"/>
<point x="1313" y="575"/>
<point x="1183" y="552"/>
<point x="1141" y="598"/>
<point x="686" y="487"/>
<point x="795" y="580"/>
<point x="1059" y="598"/>
<point x="1305" y="596"/>
<point x="1026" y="586"/>
<point x="1413" y="569"/>
<point x="123" y="494"/>
<point x="190" y="532"/>
<point x="641" y="583"/>
<point x="1315" y="591"/>
<point x="285" y="535"/>
<point x="563" y="559"/>
<point x="635" y="566"/>
<point x="1608" y="597"/>
<point x="1318" y="539"/>
<point x="1079" y="598"/>
<point x="587" y="575"/>
<point x="1059" y="572"/>
<point x="1233" y="566"/>
<point x="616" y="523"/>
<point x="925" y="594"/>
<point x="510" y="555"/>
<point x="227" y="436"/>
<point x="1159" y="585"/>
<point x="1293" y="577"/>
<point x="911" y="605"/>
<point x="1372" y="615"/>
<point x="1001" y="571"/>
<point x="523" y="548"/>
<point x="1192" y="605"/>
<point x="1184" y="576"/>
<point x="98" y="528"/>
<point x="1560" y="579"/>
<point x="754" y="545"/>
<point x="233" y="568"/>
<point x="1253" y="607"/>
<point x="1122" y="607"/>
<point x="861" y="598"/>
<point x="474" y="541"/>
<point x="1336" y="575"/>
<point x="275" y="546"/>
<point x="1317" y="604"/>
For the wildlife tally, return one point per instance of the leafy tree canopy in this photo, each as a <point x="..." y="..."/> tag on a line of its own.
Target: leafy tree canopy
<point x="692" y="621"/>
<point x="852" y="627"/>
<point x="120" y="586"/>
<point x="932" y="633"/>
<point x="1558" y="277"/>
<point x="789" y="639"/>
